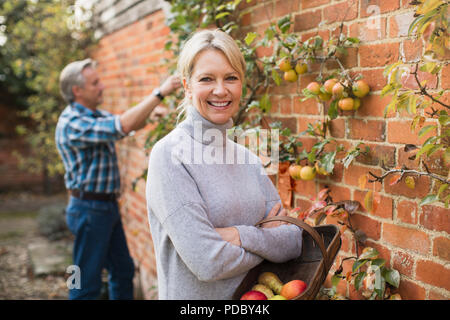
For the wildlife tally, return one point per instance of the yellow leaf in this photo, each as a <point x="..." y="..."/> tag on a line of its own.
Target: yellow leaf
<point x="362" y="181"/>
<point x="428" y="5"/>
<point x="410" y="182"/>
<point x="368" y="201"/>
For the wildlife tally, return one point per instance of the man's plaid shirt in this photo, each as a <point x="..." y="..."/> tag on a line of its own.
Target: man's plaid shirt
<point x="85" y="141"/>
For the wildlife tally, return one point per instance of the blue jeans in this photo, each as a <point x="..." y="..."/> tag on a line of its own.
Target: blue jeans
<point x="99" y="243"/>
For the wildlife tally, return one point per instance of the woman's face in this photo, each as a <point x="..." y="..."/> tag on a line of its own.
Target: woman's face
<point x="215" y="88"/>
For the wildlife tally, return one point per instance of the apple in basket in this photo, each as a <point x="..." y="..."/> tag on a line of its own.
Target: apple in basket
<point x="253" y="295"/>
<point x="293" y="288"/>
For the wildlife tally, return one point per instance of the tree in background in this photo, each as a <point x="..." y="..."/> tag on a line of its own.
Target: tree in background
<point x="37" y="39"/>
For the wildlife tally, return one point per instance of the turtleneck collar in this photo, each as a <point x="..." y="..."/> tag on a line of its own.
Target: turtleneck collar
<point x="203" y="130"/>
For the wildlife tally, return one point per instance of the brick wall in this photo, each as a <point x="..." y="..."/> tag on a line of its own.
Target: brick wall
<point x="414" y="240"/>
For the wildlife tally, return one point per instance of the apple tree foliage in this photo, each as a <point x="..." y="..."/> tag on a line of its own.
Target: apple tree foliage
<point x="409" y="85"/>
<point x="39" y="39"/>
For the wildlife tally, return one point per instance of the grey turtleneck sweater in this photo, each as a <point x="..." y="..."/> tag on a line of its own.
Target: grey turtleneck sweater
<point x="197" y="182"/>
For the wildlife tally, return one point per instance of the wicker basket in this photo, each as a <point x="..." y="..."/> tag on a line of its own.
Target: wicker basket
<point x="320" y="247"/>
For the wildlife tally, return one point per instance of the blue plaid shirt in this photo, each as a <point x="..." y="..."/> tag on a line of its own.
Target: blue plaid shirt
<point x="85" y="140"/>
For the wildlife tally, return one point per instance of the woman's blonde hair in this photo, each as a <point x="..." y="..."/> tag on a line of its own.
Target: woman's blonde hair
<point x="204" y="40"/>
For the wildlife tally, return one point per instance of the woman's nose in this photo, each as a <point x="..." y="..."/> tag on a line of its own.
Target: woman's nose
<point x="219" y="89"/>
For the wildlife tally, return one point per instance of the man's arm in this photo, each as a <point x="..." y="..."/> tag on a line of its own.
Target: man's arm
<point x="134" y="118"/>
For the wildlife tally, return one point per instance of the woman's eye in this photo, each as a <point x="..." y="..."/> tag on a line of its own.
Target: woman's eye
<point x="232" y="78"/>
<point x="205" y="79"/>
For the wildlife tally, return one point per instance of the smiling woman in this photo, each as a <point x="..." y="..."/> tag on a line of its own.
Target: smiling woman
<point x="202" y="214"/>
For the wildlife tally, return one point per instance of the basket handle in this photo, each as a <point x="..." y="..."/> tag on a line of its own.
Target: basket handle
<point x="312" y="232"/>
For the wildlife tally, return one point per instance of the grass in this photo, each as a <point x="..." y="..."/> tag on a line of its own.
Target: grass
<point x="10" y="235"/>
<point x="18" y="215"/>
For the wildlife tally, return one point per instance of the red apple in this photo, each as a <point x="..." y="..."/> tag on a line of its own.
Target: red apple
<point x="253" y="295"/>
<point x="293" y="288"/>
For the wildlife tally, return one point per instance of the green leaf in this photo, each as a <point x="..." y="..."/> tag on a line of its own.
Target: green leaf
<point x="276" y="77"/>
<point x="251" y="36"/>
<point x="379" y="283"/>
<point x="328" y="161"/>
<point x="368" y="253"/>
<point x="425" y="130"/>
<point x="392" y="277"/>
<point x="424" y="149"/>
<point x="333" y="110"/>
<point x="284" y="23"/>
<point x="358" y="264"/>
<point x="353" y="40"/>
<point x="359" y="279"/>
<point x="335" y="279"/>
<point x="412" y="103"/>
<point x="265" y="103"/>
<point x="222" y="15"/>
<point x="378" y="262"/>
<point x="429" y="199"/>
<point x="442" y="188"/>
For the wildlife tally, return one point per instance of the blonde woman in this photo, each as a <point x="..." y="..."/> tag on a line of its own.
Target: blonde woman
<point x="203" y="200"/>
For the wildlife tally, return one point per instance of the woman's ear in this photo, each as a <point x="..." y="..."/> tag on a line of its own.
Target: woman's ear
<point x="186" y="88"/>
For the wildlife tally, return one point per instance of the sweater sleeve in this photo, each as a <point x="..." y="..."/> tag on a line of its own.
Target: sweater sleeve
<point x="174" y="199"/>
<point x="277" y="244"/>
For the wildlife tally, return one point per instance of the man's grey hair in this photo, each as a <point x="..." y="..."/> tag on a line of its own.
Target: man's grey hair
<point x="71" y="76"/>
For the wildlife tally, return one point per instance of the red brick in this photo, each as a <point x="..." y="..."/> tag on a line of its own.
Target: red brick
<point x="306" y="21"/>
<point x="441" y="248"/>
<point x="407" y="211"/>
<point x="422" y="187"/>
<point x="406" y="238"/>
<point x="403" y="262"/>
<point x="410" y="290"/>
<point x="376" y="55"/>
<point x="370" y="226"/>
<point x="354" y="172"/>
<point x="337" y="128"/>
<point x="435" y="218"/>
<point x="285" y="7"/>
<point x="384" y="208"/>
<point x="409" y="80"/>
<point x="345" y="11"/>
<point x="313" y="3"/>
<point x="445" y="78"/>
<point x="412" y="49"/>
<point x="377" y="154"/>
<point x="339" y="193"/>
<point x="373" y="105"/>
<point x="372" y="130"/>
<point x="400" y="132"/>
<point x="309" y="106"/>
<point x="374" y="79"/>
<point x="403" y="158"/>
<point x="373" y="8"/>
<point x="348" y="60"/>
<point x="263" y="12"/>
<point x="433" y="273"/>
<point x="305" y="188"/>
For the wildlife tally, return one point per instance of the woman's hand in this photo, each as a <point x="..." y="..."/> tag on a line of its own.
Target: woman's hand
<point x="230" y="234"/>
<point x="275" y="212"/>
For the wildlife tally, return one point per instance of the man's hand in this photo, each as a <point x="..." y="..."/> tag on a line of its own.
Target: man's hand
<point x="170" y="84"/>
<point x="159" y="112"/>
